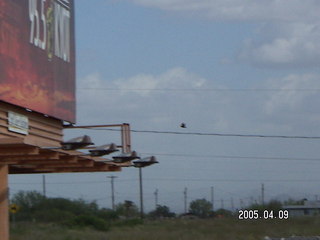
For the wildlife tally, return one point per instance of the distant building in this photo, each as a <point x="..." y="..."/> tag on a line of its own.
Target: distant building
<point x="309" y="208"/>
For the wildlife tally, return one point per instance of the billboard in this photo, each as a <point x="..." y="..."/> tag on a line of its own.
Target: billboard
<point x="37" y="56"/>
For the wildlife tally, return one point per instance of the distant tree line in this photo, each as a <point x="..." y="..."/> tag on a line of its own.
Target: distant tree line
<point x="33" y="206"/>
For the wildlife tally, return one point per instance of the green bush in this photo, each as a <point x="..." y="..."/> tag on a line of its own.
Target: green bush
<point x="127" y="209"/>
<point x="108" y="214"/>
<point x="89" y="221"/>
<point x="201" y="208"/>
<point x="52" y="215"/>
<point x="34" y="206"/>
<point x="72" y="213"/>
<point x="161" y="212"/>
<point x="129" y="222"/>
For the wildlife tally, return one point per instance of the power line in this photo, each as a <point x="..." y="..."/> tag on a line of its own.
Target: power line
<point x="227" y="134"/>
<point x="205" y="89"/>
<point x="212" y="134"/>
<point x="232" y="180"/>
<point x="71" y="182"/>
<point x="233" y="157"/>
<point x="188" y="179"/>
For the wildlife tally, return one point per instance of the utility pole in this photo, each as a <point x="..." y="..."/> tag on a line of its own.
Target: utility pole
<point x="185" y="192"/>
<point x="232" y="204"/>
<point x="241" y="204"/>
<point x="262" y="194"/>
<point x="222" y="204"/>
<point x="141" y="193"/>
<point x="156" y="198"/>
<point x="44" y="185"/>
<point x="112" y="190"/>
<point x="212" y="198"/>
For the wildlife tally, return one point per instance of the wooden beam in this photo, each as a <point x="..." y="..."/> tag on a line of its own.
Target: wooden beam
<point x="45" y="162"/>
<point x="39" y="161"/>
<point x="66" y="158"/>
<point x="105" y="168"/>
<point x="11" y="141"/>
<point x="16" y="170"/>
<point x="76" y="169"/>
<point x="27" y="158"/>
<point x="4" y="211"/>
<point x="18" y="151"/>
<point x="126" y="164"/>
<point x="79" y="164"/>
<point x="24" y="158"/>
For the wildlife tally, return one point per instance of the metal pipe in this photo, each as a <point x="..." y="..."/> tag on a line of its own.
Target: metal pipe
<point x="95" y="126"/>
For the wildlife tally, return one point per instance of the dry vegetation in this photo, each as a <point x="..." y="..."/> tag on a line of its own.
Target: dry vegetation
<point x="220" y="229"/>
<point x="41" y="218"/>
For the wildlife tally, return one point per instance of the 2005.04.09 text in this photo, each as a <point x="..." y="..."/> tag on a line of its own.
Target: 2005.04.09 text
<point x="263" y="214"/>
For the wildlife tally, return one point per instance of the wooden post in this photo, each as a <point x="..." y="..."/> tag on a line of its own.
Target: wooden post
<point x="4" y="211"/>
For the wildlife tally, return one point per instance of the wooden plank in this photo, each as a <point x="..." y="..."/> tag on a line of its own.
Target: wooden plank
<point x="26" y="158"/>
<point x="81" y="164"/>
<point x="19" y="151"/>
<point x="66" y="158"/>
<point x="16" y="170"/>
<point x="126" y="164"/>
<point x="42" y="129"/>
<point x="4" y="211"/>
<point x="91" y="169"/>
<point x="11" y="140"/>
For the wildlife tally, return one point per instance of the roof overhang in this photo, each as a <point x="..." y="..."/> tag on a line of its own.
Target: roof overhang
<point x="27" y="158"/>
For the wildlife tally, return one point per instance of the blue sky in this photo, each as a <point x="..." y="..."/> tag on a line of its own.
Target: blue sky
<point x="129" y="53"/>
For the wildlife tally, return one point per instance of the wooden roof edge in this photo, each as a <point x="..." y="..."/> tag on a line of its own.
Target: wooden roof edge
<point x="81" y="163"/>
<point x="24" y="142"/>
<point x="21" y="141"/>
<point x="75" y="169"/>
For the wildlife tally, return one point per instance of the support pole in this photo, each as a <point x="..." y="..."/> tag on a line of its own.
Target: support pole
<point x="4" y="211"/>
<point x="212" y="199"/>
<point x="262" y="194"/>
<point x="156" y="198"/>
<point x="112" y="191"/>
<point x="44" y="185"/>
<point x="141" y="193"/>
<point x="185" y="192"/>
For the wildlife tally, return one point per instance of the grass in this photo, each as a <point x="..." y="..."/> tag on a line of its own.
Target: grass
<point x="178" y="229"/>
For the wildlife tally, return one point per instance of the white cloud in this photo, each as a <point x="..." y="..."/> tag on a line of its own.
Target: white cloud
<point x="296" y="44"/>
<point x="153" y="98"/>
<point x="247" y="10"/>
<point x="294" y="39"/>
<point x="288" y="100"/>
<point x="152" y="106"/>
<point x="176" y="78"/>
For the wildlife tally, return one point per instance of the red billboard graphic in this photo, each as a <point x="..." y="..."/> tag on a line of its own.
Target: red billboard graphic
<point x="37" y="56"/>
